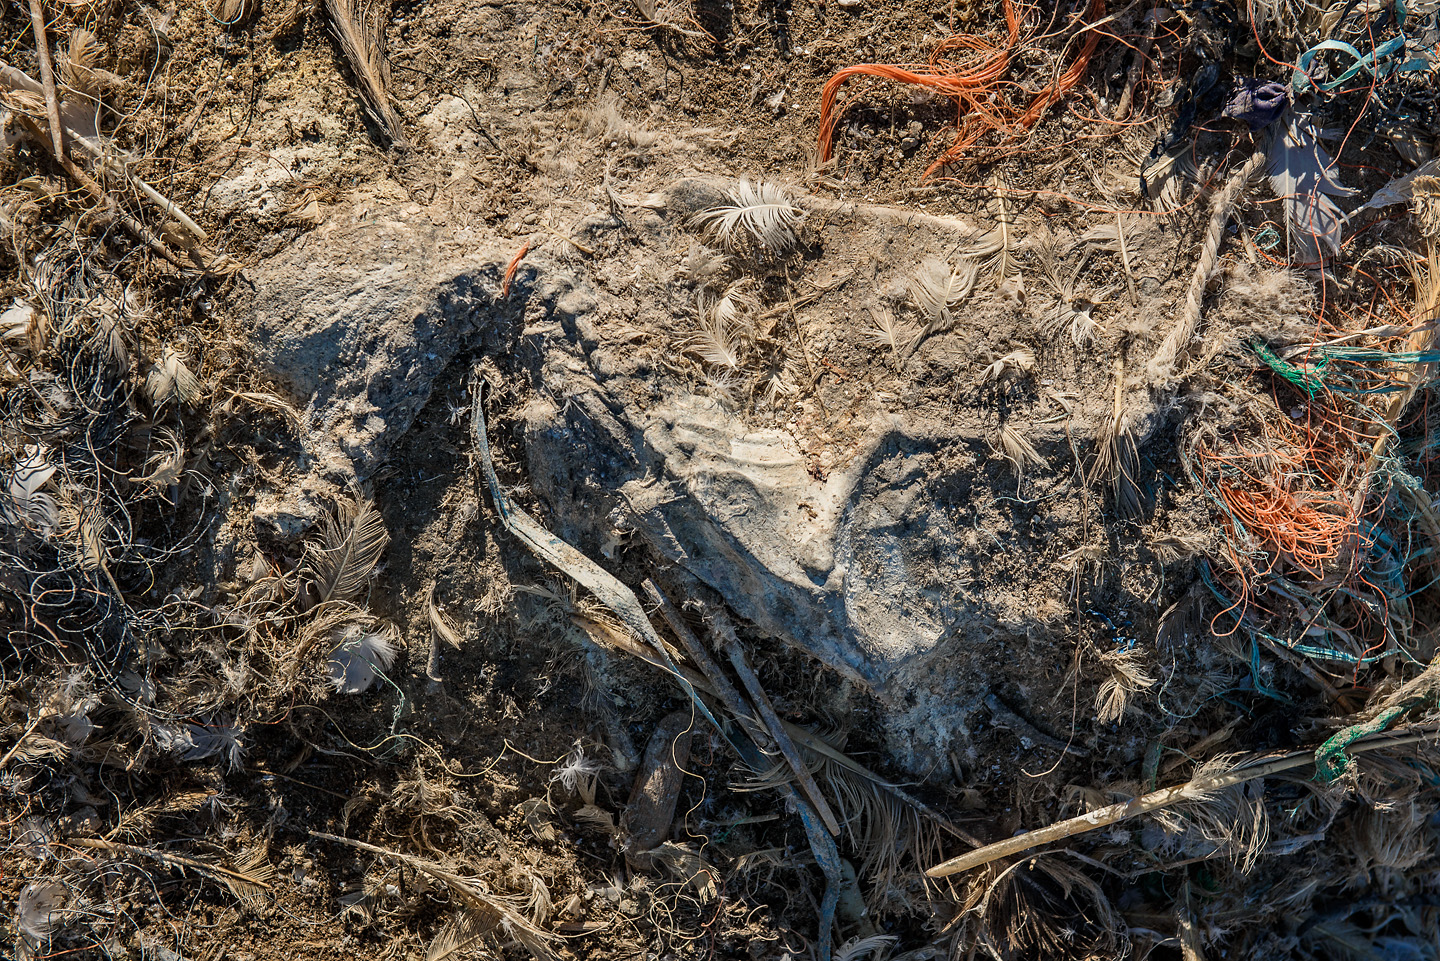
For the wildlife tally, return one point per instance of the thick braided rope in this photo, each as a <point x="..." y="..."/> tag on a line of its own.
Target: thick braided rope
<point x="1162" y="365"/>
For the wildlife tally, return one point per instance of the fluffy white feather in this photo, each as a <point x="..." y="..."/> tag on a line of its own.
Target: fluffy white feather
<point x="196" y="742"/>
<point x="16" y="320"/>
<point x="26" y="505"/>
<point x="857" y="948"/>
<point x="359" y="655"/>
<point x="1021" y="454"/>
<point x="171" y="379"/>
<point x="339" y="565"/>
<point x="38" y="912"/>
<point x="1015" y="364"/>
<point x="725" y="325"/>
<point x="575" y="769"/>
<point x="887" y="330"/>
<point x="761" y="214"/>
<point x="705" y="266"/>
<point x="937" y="286"/>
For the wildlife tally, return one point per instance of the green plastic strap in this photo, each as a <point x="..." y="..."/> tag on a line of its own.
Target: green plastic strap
<point x="1370" y="62"/>
<point x="1307" y="377"/>
<point x="1331" y="760"/>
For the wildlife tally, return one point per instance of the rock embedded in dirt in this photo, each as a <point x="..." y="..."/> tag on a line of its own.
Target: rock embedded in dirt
<point x="647" y="816"/>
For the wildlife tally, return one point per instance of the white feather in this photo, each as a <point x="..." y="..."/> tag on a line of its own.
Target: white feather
<point x="857" y="948"/>
<point x="938" y="286"/>
<point x="705" y="266"/>
<point x="26" y="505"/>
<point x="575" y="769"/>
<point x="1014" y="364"/>
<point x="39" y="910"/>
<point x="890" y="331"/>
<point x="1301" y="174"/>
<point x="170" y="378"/>
<point x="32" y="470"/>
<point x="16" y="320"/>
<point x="1401" y="190"/>
<point x="725" y="325"/>
<point x="196" y="742"/>
<point x="359" y="656"/>
<point x="762" y="214"/>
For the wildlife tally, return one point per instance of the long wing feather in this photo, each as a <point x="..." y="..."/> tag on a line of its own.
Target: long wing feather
<point x="360" y="27"/>
<point x="1300" y="174"/>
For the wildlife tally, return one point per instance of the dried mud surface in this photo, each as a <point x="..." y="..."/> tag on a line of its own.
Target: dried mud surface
<point x="902" y="584"/>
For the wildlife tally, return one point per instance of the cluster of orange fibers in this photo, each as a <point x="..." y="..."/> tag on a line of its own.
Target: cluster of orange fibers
<point x="1309" y="530"/>
<point x="1294" y="496"/>
<point x="973" y="85"/>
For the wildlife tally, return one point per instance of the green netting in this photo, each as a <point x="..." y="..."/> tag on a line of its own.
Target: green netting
<point x="1351" y="370"/>
<point x="1307" y="377"/>
<point x="1331" y="761"/>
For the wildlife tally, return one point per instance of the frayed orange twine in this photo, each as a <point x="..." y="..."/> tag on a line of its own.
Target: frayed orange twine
<point x="978" y="110"/>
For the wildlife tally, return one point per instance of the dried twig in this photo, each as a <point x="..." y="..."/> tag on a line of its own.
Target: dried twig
<point x="160" y="200"/>
<point x="1125" y="259"/>
<point x="34" y="130"/>
<point x="47" y="76"/>
<point x="717" y="684"/>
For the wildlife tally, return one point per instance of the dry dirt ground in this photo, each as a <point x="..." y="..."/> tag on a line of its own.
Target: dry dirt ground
<point x="927" y="565"/>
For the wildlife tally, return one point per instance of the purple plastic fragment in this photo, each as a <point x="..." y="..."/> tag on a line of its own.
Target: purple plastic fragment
<point x="1257" y="102"/>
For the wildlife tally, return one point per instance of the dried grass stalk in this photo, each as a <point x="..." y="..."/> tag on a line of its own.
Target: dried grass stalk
<point x="1206" y="783"/>
<point x="47" y="76"/>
